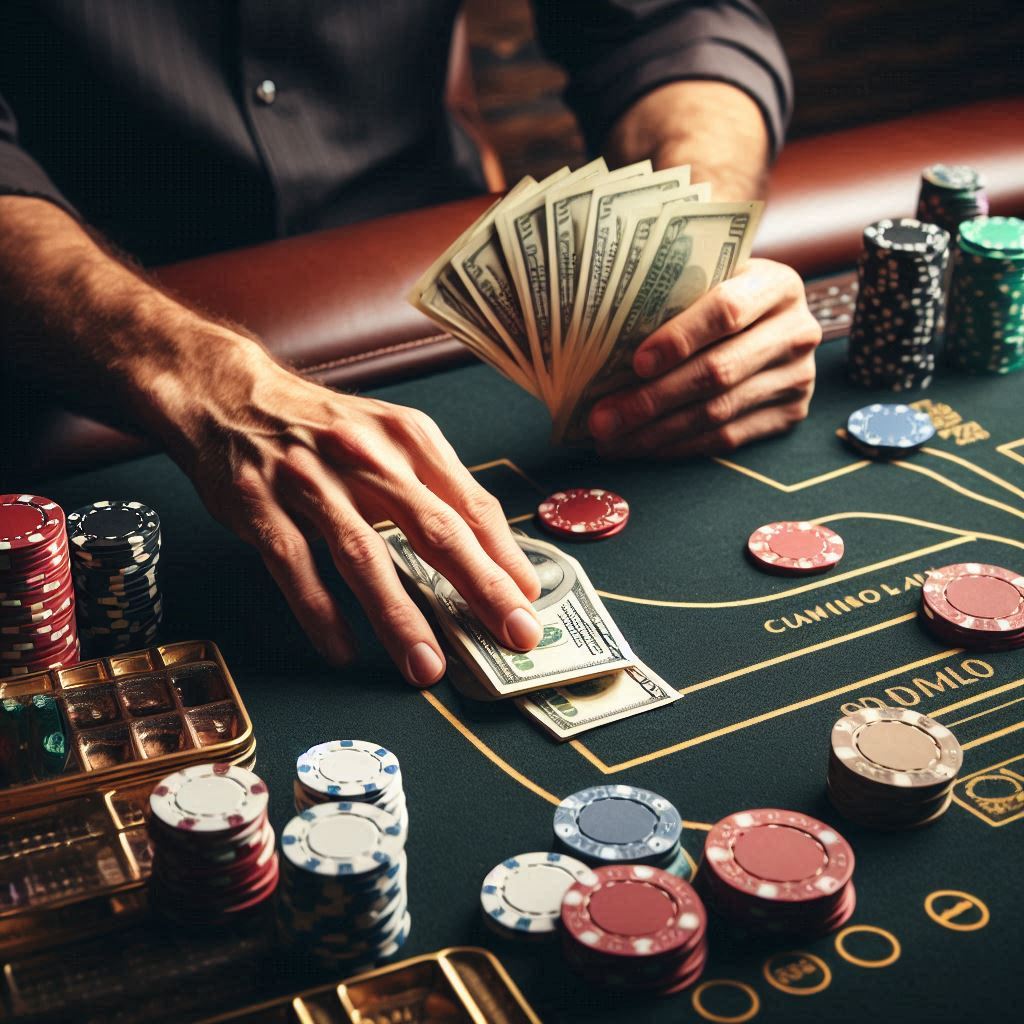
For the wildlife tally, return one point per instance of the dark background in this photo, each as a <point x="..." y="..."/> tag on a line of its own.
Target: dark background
<point x="853" y="61"/>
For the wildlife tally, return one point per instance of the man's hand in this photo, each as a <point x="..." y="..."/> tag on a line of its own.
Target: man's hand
<point x="280" y="460"/>
<point x="736" y="366"/>
<point x="276" y="458"/>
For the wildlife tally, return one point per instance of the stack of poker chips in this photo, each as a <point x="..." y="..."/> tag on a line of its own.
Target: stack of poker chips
<point x="521" y="898"/>
<point x="892" y="768"/>
<point x="635" y="927"/>
<point x="115" y="548"/>
<point x="214" y="860"/>
<point x="622" y="825"/>
<point x="38" y="629"/>
<point x="973" y="605"/>
<point x="353" y="770"/>
<point x="899" y="300"/>
<point x="343" y="900"/>
<point x="888" y="430"/>
<point x="985" y="319"/>
<point x="951" y="194"/>
<point x="777" y="871"/>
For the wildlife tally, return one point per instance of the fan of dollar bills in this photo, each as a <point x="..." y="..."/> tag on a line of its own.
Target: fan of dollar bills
<point x="559" y="281"/>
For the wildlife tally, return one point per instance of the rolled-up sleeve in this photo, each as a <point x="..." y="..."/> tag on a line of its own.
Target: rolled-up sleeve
<point x="617" y="50"/>
<point x="20" y="174"/>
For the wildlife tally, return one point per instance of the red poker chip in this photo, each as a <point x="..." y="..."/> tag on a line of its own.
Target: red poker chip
<point x="976" y="598"/>
<point x="28" y="523"/>
<point x="632" y="911"/>
<point x="584" y="512"/>
<point x="795" y="547"/>
<point x="978" y="640"/>
<point x="776" y="857"/>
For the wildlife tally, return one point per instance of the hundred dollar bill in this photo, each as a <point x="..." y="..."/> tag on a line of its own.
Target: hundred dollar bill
<point x="636" y="231"/>
<point x="481" y="264"/>
<point x="567" y="711"/>
<point x="521" y="231"/>
<point x="691" y="249"/>
<point x="445" y="305"/>
<point x="610" y="205"/>
<point x="565" y="220"/>
<point x="579" y="639"/>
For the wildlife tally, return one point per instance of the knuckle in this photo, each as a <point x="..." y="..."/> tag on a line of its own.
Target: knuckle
<point x="491" y="586"/>
<point x="720" y="410"/>
<point x="416" y="426"/>
<point x="395" y="614"/>
<point x="728" y="438"/>
<point x="278" y="546"/>
<point x="718" y="371"/>
<point x="356" y="443"/>
<point x="356" y="546"/>
<point x="438" y="529"/>
<point x="728" y="312"/>
<point x="481" y="508"/>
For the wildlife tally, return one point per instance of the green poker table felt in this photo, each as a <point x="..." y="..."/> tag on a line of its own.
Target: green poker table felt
<point x="766" y="665"/>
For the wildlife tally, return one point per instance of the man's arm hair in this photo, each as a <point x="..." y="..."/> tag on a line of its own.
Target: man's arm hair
<point x="93" y="332"/>
<point x="617" y="52"/>
<point x="714" y="127"/>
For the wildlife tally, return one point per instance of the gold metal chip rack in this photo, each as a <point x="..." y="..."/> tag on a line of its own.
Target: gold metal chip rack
<point x="74" y="849"/>
<point x="458" y="985"/>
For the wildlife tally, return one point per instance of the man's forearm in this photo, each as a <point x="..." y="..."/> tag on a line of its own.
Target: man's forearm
<point x="80" y="323"/>
<point x="716" y="128"/>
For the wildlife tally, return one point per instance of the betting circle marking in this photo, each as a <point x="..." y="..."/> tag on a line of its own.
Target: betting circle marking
<point x="740" y="1018"/>
<point x="791" y="959"/>
<point x="868" y="929"/>
<point x="945" y="917"/>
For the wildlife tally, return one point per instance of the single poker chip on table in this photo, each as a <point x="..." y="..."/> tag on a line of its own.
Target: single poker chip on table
<point x="524" y="894"/>
<point x="889" y="429"/>
<point x="583" y="512"/>
<point x="210" y="798"/>
<point x="795" y="547"/>
<point x="618" y="824"/>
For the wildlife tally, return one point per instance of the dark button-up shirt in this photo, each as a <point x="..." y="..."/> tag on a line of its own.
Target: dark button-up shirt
<point x="179" y="127"/>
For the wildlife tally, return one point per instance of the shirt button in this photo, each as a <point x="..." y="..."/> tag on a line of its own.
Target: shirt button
<point x="266" y="91"/>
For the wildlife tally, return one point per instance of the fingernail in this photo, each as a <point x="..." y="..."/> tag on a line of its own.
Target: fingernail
<point x="605" y="422"/>
<point x="424" y="666"/>
<point x="647" y="363"/>
<point x="522" y="629"/>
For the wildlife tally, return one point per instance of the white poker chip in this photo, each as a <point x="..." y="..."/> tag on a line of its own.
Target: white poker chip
<point x="210" y="798"/>
<point x="524" y="893"/>
<point x="343" y="840"/>
<point x="348" y="769"/>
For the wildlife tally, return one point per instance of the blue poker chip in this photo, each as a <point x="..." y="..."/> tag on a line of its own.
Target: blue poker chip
<point x="889" y="429"/>
<point x="618" y="825"/>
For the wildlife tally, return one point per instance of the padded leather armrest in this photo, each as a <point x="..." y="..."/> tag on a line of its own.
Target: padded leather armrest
<point x="332" y="304"/>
